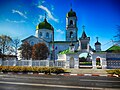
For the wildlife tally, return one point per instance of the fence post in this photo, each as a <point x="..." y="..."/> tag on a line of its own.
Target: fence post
<point x="47" y="63"/>
<point x="14" y="63"/>
<point x="0" y="62"/>
<point x="30" y="62"/>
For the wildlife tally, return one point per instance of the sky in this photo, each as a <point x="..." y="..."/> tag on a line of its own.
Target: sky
<point x="19" y="18"/>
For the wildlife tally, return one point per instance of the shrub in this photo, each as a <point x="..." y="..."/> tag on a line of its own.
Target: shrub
<point x="115" y="71"/>
<point x="46" y="70"/>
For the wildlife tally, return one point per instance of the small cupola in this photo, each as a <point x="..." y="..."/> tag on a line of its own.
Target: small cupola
<point x="97" y="45"/>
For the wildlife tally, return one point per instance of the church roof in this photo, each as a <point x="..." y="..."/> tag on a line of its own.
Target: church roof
<point x="97" y="43"/>
<point x="71" y="13"/>
<point x="41" y="39"/>
<point x="114" y="48"/>
<point x="44" y="25"/>
<point x="83" y="35"/>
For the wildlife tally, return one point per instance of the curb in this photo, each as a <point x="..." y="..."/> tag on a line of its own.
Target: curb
<point x="66" y="74"/>
<point x="107" y="75"/>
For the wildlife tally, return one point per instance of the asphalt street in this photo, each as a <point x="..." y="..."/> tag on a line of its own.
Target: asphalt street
<point x="57" y="82"/>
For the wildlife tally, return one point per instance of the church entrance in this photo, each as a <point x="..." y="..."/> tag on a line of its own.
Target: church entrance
<point x="71" y="62"/>
<point x="98" y="63"/>
<point x="85" y="60"/>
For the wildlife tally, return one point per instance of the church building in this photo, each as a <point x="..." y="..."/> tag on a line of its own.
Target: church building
<point x="75" y="51"/>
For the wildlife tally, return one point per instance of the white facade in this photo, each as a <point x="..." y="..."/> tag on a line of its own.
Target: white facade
<point x="70" y="60"/>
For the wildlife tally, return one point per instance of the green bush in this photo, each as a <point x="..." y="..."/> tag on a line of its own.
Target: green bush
<point x="115" y="71"/>
<point x="85" y="63"/>
<point x="24" y="69"/>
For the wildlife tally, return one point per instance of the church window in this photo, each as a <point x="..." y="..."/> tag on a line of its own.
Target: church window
<point x="32" y="43"/>
<point x="47" y="35"/>
<point x="84" y="46"/>
<point x="71" y="34"/>
<point x="71" y="22"/>
<point x="40" y="34"/>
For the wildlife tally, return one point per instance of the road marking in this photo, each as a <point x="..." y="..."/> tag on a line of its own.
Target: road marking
<point x="48" y="85"/>
<point x="31" y="77"/>
<point x="99" y="80"/>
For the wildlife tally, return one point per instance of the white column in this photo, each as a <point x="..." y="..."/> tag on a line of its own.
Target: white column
<point x="103" y="63"/>
<point x="67" y="64"/>
<point x="94" y="63"/>
<point x="88" y="47"/>
<point x="76" y="63"/>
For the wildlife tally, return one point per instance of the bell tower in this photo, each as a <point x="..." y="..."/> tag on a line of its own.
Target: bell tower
<point x="71" y="26"/>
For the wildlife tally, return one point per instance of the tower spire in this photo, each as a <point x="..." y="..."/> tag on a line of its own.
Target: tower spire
<point x="83" y="34"/>
<point x="71" y="6"/>
<point x="45" y="17"/>
<point x="83" y="28"/>
<point x="97" y="39"/>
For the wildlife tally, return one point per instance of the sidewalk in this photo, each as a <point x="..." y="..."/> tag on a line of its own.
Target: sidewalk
<point x="87" y="71"/>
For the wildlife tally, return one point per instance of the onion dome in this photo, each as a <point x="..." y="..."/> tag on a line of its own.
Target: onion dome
<point x="71" y="13"/>
<point x="44" y="25"/>
<point x="97" y="43"/>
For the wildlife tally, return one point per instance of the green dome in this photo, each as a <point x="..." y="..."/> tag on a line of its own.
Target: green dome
<point x="44" y="25"/>
<point x="71" y="13"/>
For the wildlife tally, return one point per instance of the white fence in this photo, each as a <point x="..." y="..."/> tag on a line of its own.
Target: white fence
<point x="32" y="63"/>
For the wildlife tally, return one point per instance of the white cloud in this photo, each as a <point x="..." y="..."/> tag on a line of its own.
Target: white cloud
<point x="20" y="13"/>
<point x="43" y="1"/>
<point x="22" y="21"/>
<point x="48" y="13"/>
<point x="41" y="17"/>
<point x="52" y="7"/>
<point x="60" y="31"/>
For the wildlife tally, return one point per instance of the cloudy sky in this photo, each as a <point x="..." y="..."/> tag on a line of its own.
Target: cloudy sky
<point x="18" y="18"/>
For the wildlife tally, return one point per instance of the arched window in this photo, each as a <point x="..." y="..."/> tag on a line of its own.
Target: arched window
<point x="40" y="35"/>
<point x="32" y="43"/>
<point x="47" y="35"/>
<point x="71" y="22"/>
<point x="71" y="34"/>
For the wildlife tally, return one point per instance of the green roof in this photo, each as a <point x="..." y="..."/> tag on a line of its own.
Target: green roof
<point x="114" y="48"/>
<point x="67" y="52"/>
<point x="71" y="13"/>
<point x="44" y="25"/>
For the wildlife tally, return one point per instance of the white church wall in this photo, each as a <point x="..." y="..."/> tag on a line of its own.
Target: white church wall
<point x="113" y="60"/>
<point x="62" y="57"/>
<point x="102" y="60"/>
<point x="44" y="31"/>
<point x="62" y="47"/>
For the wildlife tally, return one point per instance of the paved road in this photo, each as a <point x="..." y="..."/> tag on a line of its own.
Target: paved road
<point x="47" y="82"/>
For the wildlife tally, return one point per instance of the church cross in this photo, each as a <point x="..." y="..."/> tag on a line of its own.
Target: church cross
<point x="97" y="38"/>
<point x="45" y="15"/>
<point x="83" y="27"/>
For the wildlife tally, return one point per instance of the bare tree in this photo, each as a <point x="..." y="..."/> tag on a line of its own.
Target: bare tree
<point x="15" y="44"/>
<point x="4" y="42"/>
